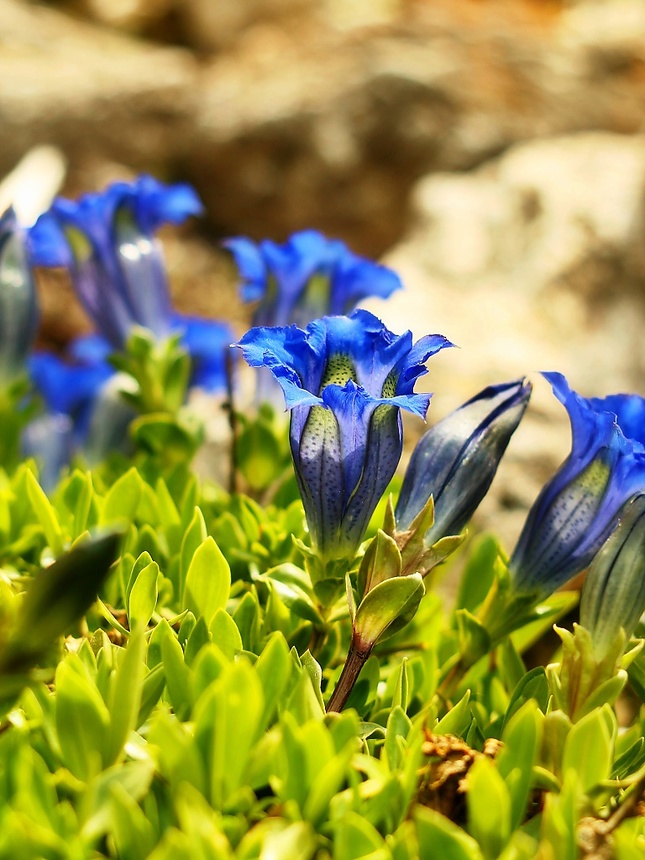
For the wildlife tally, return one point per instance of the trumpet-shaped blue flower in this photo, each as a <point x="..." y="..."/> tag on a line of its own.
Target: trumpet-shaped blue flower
<point x="307" y="277"/>
<point x="456" y="460"/>
<point x="18" y="304"/>
<point x="107" y="242"/>
<point x="579" y="507"/>
<point x="345" y="380"/>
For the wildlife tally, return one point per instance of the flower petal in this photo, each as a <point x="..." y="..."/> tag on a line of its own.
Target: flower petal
<point x="209" y="343"/>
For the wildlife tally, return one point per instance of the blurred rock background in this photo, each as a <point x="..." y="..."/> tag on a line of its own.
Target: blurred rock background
<point x="492" y="151"/>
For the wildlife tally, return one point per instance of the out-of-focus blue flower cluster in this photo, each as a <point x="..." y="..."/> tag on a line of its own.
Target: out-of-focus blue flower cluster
<point x="308" y="277"/>
<point x="107" y="243"/>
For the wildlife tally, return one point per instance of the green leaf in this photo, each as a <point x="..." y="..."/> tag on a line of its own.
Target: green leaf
<point x="208" y="581"/>
<point x="79" y="497"/>
<point x="82" y="719"/>
<point x="440" y="838"/>
<point x="276" y="839"/>
<point x="457" y="719"/>
<point x="521" y="741"/>
<point x="151" y="689"/>
<point x="382" y="560"/>
<point x="225" y="634"/>
<point x="533" y="685"/>
<point x="194" y="537"/>
<point x="133" y="834"/>
<point x="273" y="669"/>
<point x="165" y="436"/>
<point x="354" y="838"/>
<point x="259" y="455"/>
<point x="293" y="587"/>
<point x="143" y="595"/>
<point x="397" y="730"/>
<point x="387" y="607"/>
<point x="168" y="513"/>
<point x="134" y="777"/>
<point x="474" y="641"/>
<point x="123" y="497"/>
<point x="595" y="731"/>
<point x="227" y="718"/>
<point x="45" y="514"/>
<point x="401" y="695"/>
<point x="125" y="695"/>
<point x="479" y="573"/>
<point x="489" y="808"/>
<point x="177" y="674"/>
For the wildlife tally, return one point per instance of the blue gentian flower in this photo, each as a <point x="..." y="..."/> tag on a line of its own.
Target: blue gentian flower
<point x="208" y="343"/>
<point x="18" y="302"/>
<point x="345" y="380"/>
<point x="456" y="460"/>
<point x="70" y="391"/>
<point x="107" y="242"/>
<point x="85" y="407"/>
<point x="307" y="277"/>
<point x="69" y="388"/>
<point x="579" y="507"/>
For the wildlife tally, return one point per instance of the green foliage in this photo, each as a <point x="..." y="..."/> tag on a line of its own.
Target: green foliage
<point x="183" y="712"/>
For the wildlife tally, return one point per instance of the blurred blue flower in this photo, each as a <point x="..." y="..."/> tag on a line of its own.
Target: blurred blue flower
<point x="209" y="344"/>
<point x="18" y="301"/>
<point x="456" y="460"/>
<point x="579" y="507"/>
<point x="71" y="391"/>
<point x="307" y="277"/>
<point x="69" y="388"/>
<point x="345" y="380"/>
<point x="107" y="242"/>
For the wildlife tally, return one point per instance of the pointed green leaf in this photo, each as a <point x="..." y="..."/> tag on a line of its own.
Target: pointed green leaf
<point x="208" y="581"/>
<point x="122" y="500"/>
<point x="45" y="513"/>
<point x="387" y="607"/>
<point x="143" y="595"/>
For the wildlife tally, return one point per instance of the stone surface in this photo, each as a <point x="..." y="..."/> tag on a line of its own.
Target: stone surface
<point x="300" y="114"/>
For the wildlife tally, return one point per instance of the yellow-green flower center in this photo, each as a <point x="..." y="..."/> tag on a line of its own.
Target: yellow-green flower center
<point x="338" y="371"/>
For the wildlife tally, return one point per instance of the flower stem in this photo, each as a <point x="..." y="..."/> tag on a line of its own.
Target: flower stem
<point x="356" y="659"/>
<point x="232" y="423"/>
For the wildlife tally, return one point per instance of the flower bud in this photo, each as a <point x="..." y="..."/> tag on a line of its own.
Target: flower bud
<point x="456" y="460"/>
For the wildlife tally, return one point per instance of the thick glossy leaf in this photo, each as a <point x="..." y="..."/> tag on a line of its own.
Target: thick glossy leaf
<point x="82" y="720"/>
<point x="143" y="595"/>
<point x="489" y="808"/>
<point x="387" y="607"/>
<point x="440" y="838"/>
<point x="125" y="697"/>
<point x="521" y="739"/>
<point x="595" y="732"/>
<point x="208" y="581"/>
<point x="122" y="500"/>
<point x="45" y="514"/>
